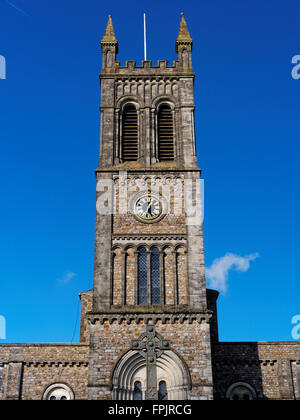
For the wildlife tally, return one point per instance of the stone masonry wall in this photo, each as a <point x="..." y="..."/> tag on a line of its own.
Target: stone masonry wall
<point x="126" y="223"/>
<point x="110" y="341"/>
<point x="168" y="234"/>
<point x="26" y="370"/>
<point x="86" y="299"/>
<point x="271" y="368"/>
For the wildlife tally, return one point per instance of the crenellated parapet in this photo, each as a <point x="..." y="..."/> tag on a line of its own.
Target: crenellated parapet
<point x="147" y="69"/>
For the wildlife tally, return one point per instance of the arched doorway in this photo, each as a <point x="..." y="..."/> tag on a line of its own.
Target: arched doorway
<point x="130" y="377"/>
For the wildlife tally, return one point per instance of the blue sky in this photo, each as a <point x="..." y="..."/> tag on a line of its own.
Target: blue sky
<point x="247" y="128"/>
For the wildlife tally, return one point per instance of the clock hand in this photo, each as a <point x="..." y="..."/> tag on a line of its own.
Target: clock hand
<point x="149" y="205"/>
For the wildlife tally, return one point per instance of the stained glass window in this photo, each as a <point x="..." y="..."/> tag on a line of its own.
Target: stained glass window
<point x="155" y="277"/>
<point x="142" y="277"/>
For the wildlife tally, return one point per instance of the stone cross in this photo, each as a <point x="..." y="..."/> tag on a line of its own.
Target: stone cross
<point x="151" y="346"/>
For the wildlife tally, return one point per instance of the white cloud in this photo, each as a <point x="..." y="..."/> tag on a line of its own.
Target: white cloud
<point x="67" y="277"/>
<point x="217" y="273"/>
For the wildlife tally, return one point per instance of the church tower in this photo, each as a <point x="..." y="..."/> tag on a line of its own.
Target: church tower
<point x="150" y="324"/>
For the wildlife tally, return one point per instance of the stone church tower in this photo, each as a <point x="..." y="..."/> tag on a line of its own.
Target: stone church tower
<point x="150" y="324"/>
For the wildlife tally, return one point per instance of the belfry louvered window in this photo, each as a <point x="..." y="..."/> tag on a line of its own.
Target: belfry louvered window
<point x="129" y="134"/>
<point x="165" y="133"/>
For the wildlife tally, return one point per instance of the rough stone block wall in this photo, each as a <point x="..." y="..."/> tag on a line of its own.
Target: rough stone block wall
<point x="10" y="382"/>
<point x="110" y="341"/>
<point x="295" y="365"/>
<point x="169" y="276"/>
<point x="86" y="299"/>
<point x="182" y="277"/>
<point x="269" y="367"/>
<point x="118" y="277"/>
<point x="129" y="234"/>
<point x="126" y="223"/>
<point x="36" y="380"/>
<point x="26" y="370"/>
<point x="130" y="276"/>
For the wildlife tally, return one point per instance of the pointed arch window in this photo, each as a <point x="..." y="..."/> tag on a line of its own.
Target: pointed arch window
<point x="155" y="276"/>
<point x="165" y="133"/>
<point x="129" y="134"/>
<point x="142" y="277"/>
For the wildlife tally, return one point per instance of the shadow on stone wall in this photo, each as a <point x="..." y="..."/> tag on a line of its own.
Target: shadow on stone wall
<point x="233" y="363"/>
<point x="237" y="364"/>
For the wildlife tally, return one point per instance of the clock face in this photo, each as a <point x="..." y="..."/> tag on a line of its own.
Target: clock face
<point x="148" y="208"/>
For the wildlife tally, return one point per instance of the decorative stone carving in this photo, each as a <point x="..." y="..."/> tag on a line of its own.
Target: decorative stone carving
<point x="150" y="346"/>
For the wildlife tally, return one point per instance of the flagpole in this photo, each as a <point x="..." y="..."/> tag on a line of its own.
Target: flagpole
<point x="145" y="47"/>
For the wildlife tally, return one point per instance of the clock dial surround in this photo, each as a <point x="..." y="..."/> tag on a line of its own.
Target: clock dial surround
<point x="148" y="207"/>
